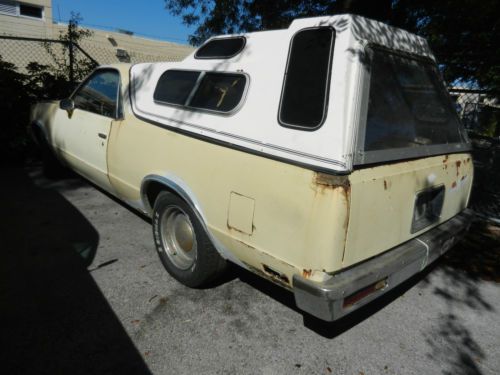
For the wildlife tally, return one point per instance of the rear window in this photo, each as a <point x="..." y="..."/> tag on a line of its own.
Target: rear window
<point x="305" y="89"/>
<point x="409" y="107"/>
<point x="221" y="48"/>
<point x="174" y="86"/>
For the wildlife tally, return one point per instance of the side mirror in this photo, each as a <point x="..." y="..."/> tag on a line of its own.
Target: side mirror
<point x="67" y="105"/>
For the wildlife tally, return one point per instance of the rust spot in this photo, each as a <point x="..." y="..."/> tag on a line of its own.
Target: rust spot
<point x="445" y="158"/>
<point x="333" y="181"/>
<point x="454" y="185"/>
<point x="274" y="275"/>
<point x="385" y="185"/>
<point x="306" y="273"/>
<point x="324" y="181"/>
<point x="463" y="177"/>
<point x="458" y="163"/>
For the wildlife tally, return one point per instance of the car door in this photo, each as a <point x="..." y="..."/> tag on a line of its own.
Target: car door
<point x="81" y="134"/>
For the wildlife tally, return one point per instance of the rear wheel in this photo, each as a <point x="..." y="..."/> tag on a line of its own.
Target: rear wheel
<point x="182" y="244"/>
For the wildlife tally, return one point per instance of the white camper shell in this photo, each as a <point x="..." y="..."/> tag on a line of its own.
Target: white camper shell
<point x="336" y="142"/>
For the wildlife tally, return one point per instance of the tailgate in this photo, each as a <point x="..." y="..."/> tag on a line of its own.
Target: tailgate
<point x="383" y="201"/>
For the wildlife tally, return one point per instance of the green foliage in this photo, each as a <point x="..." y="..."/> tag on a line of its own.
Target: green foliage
<point x="68" y="64"/>
<point x="15" y="100"/>
<point x="462" y="33"/>
<point x="214" y="17"/>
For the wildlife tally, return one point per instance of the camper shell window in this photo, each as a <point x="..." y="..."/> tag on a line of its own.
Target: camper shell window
<point x="304" y="97"/>
<point x="410" y="113"/>
<point x="223" y="48"/>
<point x="207" y="91"/>
<point x="174" y="86"/>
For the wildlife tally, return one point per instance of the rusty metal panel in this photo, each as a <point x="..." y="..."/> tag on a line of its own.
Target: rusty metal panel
<point x="383" y="200"/>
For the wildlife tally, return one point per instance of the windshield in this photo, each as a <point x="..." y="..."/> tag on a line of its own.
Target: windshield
<point x="408" y="107"/>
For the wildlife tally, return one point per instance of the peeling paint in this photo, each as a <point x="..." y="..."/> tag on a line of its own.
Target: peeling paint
<point x="333" y="181"/>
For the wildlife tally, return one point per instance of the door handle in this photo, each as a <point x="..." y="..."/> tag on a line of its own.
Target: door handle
<point x="102" y="135"/>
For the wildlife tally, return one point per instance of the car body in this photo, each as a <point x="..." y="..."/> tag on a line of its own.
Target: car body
<point x="326" y="157"/>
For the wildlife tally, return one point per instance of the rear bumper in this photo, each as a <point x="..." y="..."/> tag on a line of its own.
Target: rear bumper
<point x="328" y="300"/>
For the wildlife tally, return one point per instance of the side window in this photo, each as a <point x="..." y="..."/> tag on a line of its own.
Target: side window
<point x="174" y="86"/>
<point x="304" y="97"/>
<point x="219" y="92"/>
<point x="99" y="94"/>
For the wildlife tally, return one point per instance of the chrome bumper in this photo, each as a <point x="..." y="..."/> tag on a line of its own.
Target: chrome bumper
<point x="325" y="300"/>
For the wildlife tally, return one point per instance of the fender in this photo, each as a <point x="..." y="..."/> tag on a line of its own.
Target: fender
<point x="179" y="187"/>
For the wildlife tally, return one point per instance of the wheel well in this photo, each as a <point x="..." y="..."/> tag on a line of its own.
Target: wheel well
<point x="153" y="189"/>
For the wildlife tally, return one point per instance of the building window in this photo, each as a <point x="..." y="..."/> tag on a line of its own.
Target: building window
<point x="304" y="98"/>
<point x="30" y="11"/>
<point x="8" y="7"/>
<point x="13" y="8"/>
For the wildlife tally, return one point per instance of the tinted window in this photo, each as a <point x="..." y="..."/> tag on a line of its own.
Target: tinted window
<point x="305" y="91"/>
<point x="219" y="92"/>
<point x="221" y="48"/>
<point x="99" y="94"/>
<point x="174" y="86"/>
<point x="408" y="105"/>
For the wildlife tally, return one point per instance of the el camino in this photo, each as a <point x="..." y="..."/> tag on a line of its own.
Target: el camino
<point x="326" y="157"/>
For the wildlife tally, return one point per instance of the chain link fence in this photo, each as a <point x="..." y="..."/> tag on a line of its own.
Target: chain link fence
<point x="22" y="51"/>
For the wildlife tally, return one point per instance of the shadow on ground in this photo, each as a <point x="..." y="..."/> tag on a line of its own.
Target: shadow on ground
<point x="55" y="319"/>
<point x="475" y="260"/>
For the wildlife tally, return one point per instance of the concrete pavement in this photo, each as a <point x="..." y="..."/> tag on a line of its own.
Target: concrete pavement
<point x="83" y="292"/>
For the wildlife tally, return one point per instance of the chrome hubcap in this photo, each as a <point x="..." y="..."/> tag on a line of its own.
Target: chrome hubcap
<point x="179" y="240"/>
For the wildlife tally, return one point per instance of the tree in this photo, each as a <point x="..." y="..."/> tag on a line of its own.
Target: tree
<point x="462" y="33"/>
<point x="69" y="65"/>
<point x="214" y="17"/>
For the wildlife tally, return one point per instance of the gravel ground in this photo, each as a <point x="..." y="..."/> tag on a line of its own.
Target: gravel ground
<point x="82" y="291"/>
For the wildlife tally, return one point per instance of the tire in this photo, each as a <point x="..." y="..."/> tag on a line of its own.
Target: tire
<point x="52" y="168"/>
<point x="184" y="248"/>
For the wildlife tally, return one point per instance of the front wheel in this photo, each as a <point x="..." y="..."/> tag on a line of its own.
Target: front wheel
<point x="182" y="244"/>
